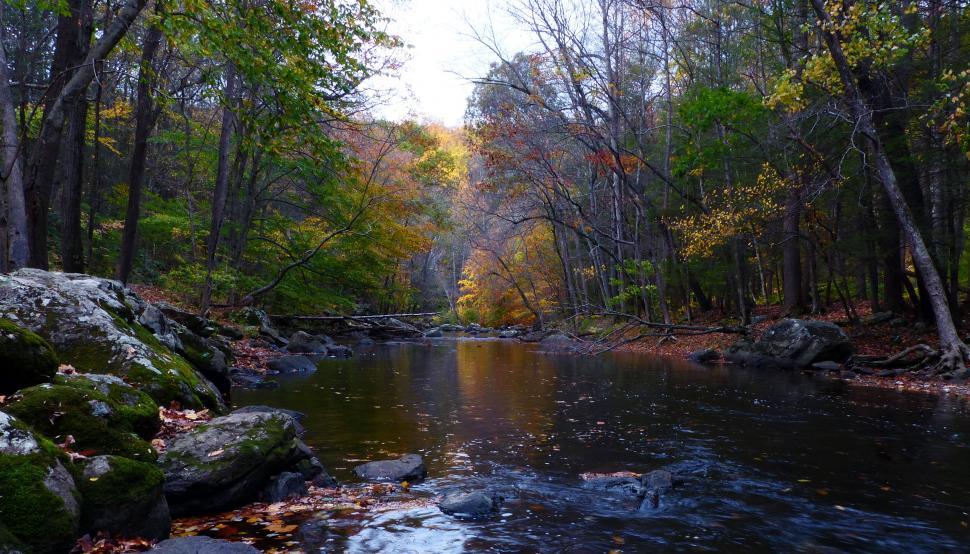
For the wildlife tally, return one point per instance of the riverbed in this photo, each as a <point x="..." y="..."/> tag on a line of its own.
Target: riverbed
<point x="771" y="460"/>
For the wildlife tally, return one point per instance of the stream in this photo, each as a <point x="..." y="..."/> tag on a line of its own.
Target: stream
<point x="772" y="460"/>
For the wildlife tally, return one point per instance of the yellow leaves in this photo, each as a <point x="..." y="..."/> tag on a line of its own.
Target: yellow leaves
<point x="788" y="93"/>
<point x="733" y="212"/>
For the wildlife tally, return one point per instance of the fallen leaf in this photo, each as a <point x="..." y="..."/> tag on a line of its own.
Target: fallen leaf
<point x="215" y="453"/>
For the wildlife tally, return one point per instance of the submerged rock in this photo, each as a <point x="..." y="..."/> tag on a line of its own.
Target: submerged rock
<point x="26" y="359"/>
<point x="626" y="485"/>
<point x="202" y="545"/>
<point x="292" y="364"/>
<point x="39" y="502"/>
<point x="654" y="485"/>
<point x="471" y="504"/>
<point x="229" y="460"/>
<point x="409" y="467"/>
<point x="124" y="498"/>
<point x="339" y="351"/>
<point x="96" y="326"/>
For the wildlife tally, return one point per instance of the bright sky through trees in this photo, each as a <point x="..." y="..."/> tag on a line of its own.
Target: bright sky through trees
<point x="434" y="81"/>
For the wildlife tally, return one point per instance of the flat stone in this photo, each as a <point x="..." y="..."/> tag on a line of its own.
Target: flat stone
<point x="409" y="467"/>
<point x="292" y="364"/>
<point x="202" y="545"/>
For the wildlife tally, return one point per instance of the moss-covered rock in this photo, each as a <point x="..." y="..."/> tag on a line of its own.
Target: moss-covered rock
<point x="123" y="497"/>
<point x="133" y="406"/>
<point x="38" y="499"/>
<point x="98" y="424"/>
<point x="227" y="461"/>
<point x="10" y="544"/>
<point x="26" y="359"/>
<point x="98" y="326"/>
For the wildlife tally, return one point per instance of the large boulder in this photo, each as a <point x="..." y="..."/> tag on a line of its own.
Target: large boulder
<point x="292" y="364"/>
<point x="98" y="326"/>
<point x="796" y="343"/>
<point x="207" y="355"/>
<point x="39" y="502"/>
<point x="409" y="467"/>
<point x="202" y="545"/>
<point x="260" y="320"/>
<point x="302" y="342"/>
<point x="96" y="423"/>
<point x="229" y="460"/>
<point x="25" y="358"/>
<point x="124" y="498"/>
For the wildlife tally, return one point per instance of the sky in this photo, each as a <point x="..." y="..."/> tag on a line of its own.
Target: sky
<point x="433" y="85"/>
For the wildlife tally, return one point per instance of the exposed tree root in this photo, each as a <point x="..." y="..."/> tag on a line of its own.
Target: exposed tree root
<point x="949" y="363"/>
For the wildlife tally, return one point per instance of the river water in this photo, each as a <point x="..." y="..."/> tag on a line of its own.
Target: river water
<point x="772" y="460"/>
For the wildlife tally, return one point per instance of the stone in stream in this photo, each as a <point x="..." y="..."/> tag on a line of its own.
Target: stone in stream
<point x="614" y="484"/>
<point x="339" y="351"/>
<point x="704" y="356"/>
<point x="654" y="485"/>
<point x="202" y="545"/>
<point x="471" y="504"/>
<point x="124" y="498"/>
<point x="227" y="461"/>
<point x="39" y="502"/>
<point x="25" y="358"/>
<point x="409" y="467"/>
<point x="285" y="486"/>
<point x="292" y="364"/>
<point x="434" y="333"/>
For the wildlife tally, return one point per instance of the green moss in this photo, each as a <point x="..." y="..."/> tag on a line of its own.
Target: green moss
<point x="9" y="542"/>
<point x="57" y="411"/>
<point x="130" y="485"/>
<point x="133" y="406"/>
<point x="32" y="513"/>
<point x="25" y="358"/>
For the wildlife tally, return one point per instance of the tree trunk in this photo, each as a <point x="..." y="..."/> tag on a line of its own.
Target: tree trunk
<point x="954" y="351"/>
<point x="794" y="300"/>
<point x="221" y="189"/>
<point x="144" y="121"/>
<point x="17" y="252"/>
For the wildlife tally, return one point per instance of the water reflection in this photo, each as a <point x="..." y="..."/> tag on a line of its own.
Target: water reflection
<point x="773" y="459"/>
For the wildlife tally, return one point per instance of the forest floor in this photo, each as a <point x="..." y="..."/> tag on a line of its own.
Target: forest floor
<point x="882" y="339"/>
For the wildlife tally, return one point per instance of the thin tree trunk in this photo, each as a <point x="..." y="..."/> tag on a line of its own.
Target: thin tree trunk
<point x="221" y="189"/>
<point x="17" y="253"/>
<point x="144" y="121"/>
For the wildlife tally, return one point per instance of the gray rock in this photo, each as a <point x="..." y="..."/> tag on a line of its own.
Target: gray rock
<point x="339" y="351"/>
<point x="202" y="545"/>
<point x="704" y="356"/>
<point x="434" y="333"/>
<point x="193" y="322"/>
<point x="314" y="534"/>
<point x="827" y="366"/>
<point x="655" y="485"/>
<point x="877" y="318"/>
<point x="206" y="355"/>
<point x="292" y="364"/>
<point x="305" y="343"/>
<point x="258" y="318"/>
<point x="260" y="409"/>
<point x="557" y="341"/>
<point x="509" y="334"/>
<point x="758" y="319"/>
<point x="33" y="459"/>
<point x="450" y="328"/>
<point x="227" y="461"/>
<point x="796" y="343"/>
<point x="470" y="505"/>
<point x="409" y="467"/>
<point x="124" y="498"/>
<point x="615" y="485"/>
<point x="95" y="325"/>
<point x="285" y="486"/>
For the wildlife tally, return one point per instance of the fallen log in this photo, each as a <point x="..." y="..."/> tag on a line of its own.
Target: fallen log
<point x="352" y="317"/>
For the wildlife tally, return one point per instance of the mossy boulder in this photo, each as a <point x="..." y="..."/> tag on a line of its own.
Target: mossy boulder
<point x="99" y="326"/>
<point x="135" y="407"/>
<point x="229" y="460"/>
<point x="26" y="359"/>
<point x="39" y="502"/>
<point x="97" y="424"/>
<point x="123" y="497"/>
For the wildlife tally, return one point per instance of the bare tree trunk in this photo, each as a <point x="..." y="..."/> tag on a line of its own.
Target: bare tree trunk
<point x="954" y="351"/>
<point x="17" y="253"/>
<point x="221" y="189"/>
<point x="144" y="121"/>
<point x="794" y="300"/>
